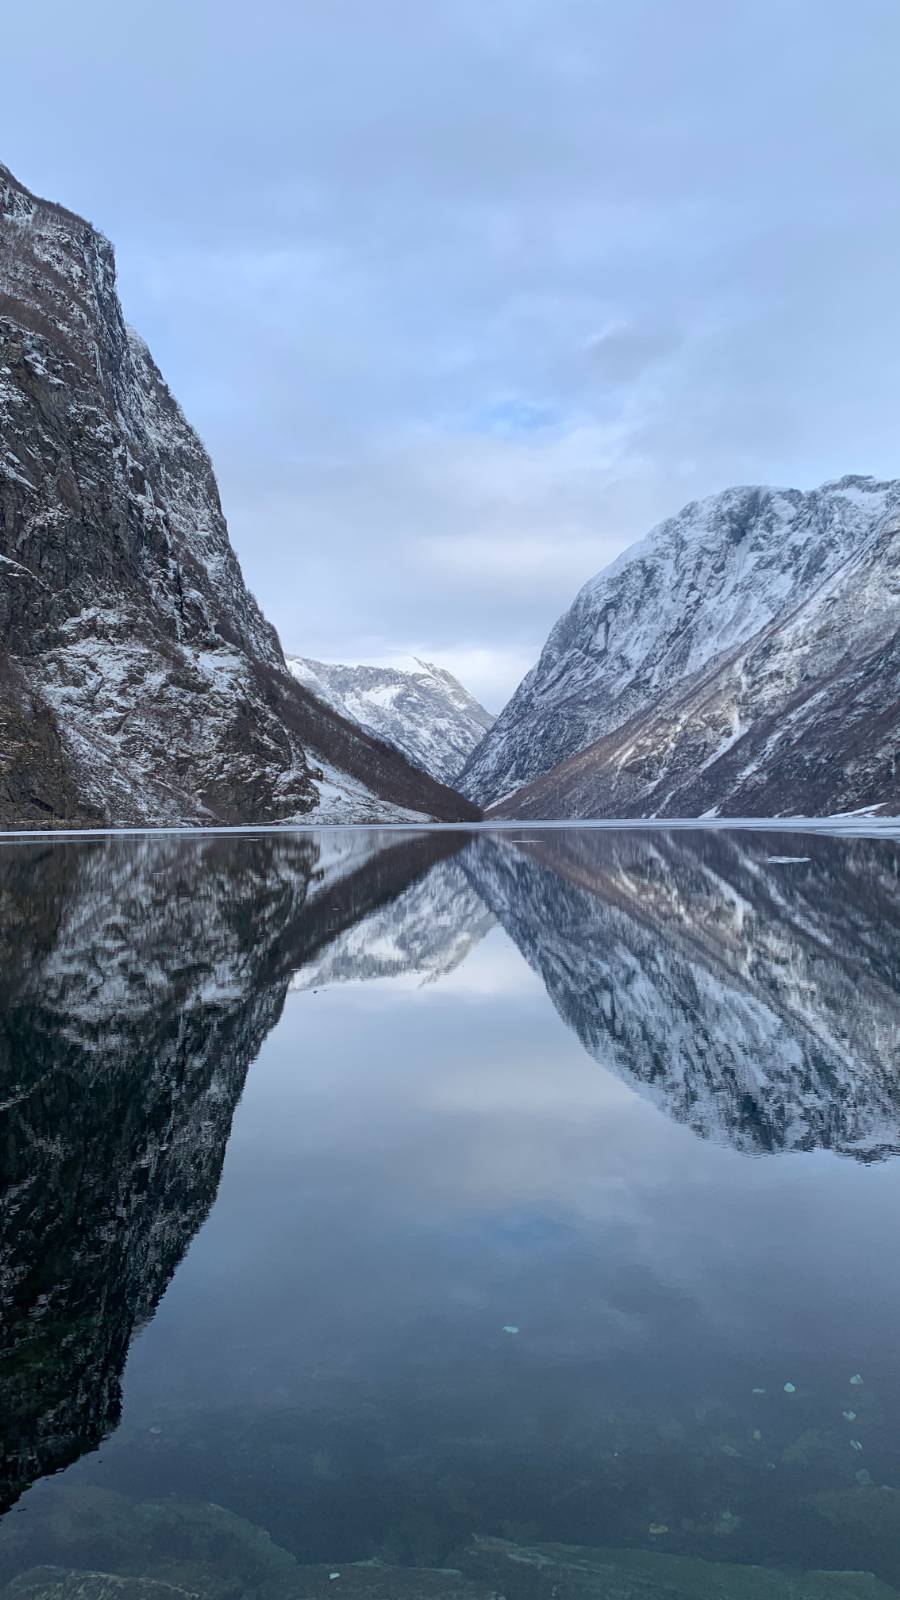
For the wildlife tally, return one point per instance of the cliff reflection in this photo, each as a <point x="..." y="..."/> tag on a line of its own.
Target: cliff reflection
<point x="139" y="980"/>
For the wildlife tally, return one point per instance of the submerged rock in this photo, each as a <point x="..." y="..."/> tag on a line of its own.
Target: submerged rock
<point x="539" y="1572"/>
<point x="193" y="1546"/>
<point x="363" y="1581"/>
<point x="55" y="1583"/>
<point x="246" y="1565"/>
<point x="865" y="1520"/>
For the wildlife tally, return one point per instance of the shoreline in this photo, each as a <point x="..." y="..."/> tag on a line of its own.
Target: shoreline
<point x="846" y="825"/>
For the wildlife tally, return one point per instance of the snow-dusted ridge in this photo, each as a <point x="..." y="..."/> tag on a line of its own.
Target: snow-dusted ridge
<point x="419" y="708"/>
<point x="743" y="659"/>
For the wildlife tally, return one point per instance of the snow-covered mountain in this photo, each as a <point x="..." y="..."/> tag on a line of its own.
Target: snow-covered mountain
<point x="420" y="709"/>
<point x="743" y="660"/>
<point x="139" y="681"/>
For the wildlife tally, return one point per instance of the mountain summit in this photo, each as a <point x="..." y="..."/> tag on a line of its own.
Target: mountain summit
<point x="139" y="681"/>
<point x="742" y="660"/>
<point x="420" y="709"/>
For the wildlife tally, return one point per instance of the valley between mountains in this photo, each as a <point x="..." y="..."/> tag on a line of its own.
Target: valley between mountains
<point x="742" y="660"/>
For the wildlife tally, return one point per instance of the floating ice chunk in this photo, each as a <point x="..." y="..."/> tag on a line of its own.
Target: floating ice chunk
<point x="856" y="1380"/>
<point x="790" y="1388"/>
<point x="510" y="1327"/>
<point x="849" y="1416"/>
<point x="855" y="1444"/>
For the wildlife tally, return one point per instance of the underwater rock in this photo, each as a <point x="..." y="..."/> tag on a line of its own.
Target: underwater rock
<point x="579" y="1572"/>
<point x="363" y="1581"/>
<point x="194" y="1546"/>
<point x="54" y="1583"/>
<point x="488" y="1569"/>
<point x="727" y="1522"/>
<point x="866" y="1519"/>
<point x="817" y="1447"/>
<point x="374" y="1580"/>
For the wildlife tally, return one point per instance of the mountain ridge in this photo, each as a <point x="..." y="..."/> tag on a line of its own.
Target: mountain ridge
<point x="421" y="709"/>
<point x="674" y="661"/>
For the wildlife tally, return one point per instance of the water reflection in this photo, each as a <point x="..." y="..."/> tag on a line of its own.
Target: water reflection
<point x="752" y="992"/>
<point x="423" y="1162"/>
<point x="137" y="983"/>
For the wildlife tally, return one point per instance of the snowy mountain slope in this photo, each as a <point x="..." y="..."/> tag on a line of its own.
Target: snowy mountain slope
<point x="139" y="681"/>
<point x="670" y="611"/>
<point x="420" y="709"/>
<point x="805" y="718"/>
<point x="752" y="998"/>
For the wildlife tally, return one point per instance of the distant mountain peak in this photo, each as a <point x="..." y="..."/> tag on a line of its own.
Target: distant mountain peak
<point x="419" y="708"/>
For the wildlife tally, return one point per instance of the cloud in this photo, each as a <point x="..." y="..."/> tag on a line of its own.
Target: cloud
<point x="463" y="298"/>
<point x="509" y="562"/>
<point x="623" y="354"/>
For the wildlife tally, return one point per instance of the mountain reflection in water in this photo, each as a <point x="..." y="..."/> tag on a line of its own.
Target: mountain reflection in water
<point x="473" y="1285"/>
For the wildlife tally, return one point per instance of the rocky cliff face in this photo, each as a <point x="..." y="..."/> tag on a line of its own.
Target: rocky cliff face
<point x="139" y="682"/>
<point x="422" y="710"/>
<point x="137" y="987"/>
<point x="742" y="660"/>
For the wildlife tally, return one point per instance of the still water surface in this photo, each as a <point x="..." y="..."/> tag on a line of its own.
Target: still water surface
<point x="450" y="1216"/>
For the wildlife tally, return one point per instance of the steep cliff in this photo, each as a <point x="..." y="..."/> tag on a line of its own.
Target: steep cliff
<point x="139" y="681"/>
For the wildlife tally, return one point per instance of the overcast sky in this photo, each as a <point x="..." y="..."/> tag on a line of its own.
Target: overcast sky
<point x="463" y="295"/>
